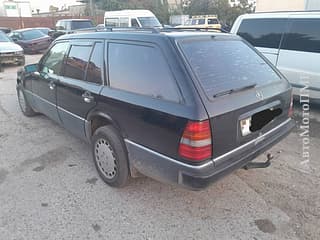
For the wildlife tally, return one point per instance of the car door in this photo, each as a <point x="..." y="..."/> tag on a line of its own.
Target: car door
<point x="45" y="81"/>
<point x="80" y="85"/>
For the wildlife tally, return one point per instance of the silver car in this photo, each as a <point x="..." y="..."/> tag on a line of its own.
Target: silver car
<point x="9" y="51"/>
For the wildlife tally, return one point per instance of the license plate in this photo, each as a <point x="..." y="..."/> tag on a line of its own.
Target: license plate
<point x="245" y="125"/>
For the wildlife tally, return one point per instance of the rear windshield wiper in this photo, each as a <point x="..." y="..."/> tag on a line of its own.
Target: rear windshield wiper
<point x="234" y="90"/>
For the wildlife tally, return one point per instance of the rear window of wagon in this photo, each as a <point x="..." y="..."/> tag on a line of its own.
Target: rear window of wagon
<point x="223" y="65"/>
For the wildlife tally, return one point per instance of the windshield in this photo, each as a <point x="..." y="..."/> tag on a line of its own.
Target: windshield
<point x="223" y="65"/>
<point x="81" y="24"/>
<point x="4" y="38"/>
<point x="149" y="22"/>
<point x="32" y="34"/>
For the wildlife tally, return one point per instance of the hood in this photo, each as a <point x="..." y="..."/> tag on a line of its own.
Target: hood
<point x="9" y="47"/>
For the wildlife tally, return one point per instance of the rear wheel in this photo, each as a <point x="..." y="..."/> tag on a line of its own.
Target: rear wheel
<point x="110" y="156"/>
<point x="24" y="105"/>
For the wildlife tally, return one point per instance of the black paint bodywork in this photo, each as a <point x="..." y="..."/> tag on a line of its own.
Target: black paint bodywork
<point x="149" y="122"/>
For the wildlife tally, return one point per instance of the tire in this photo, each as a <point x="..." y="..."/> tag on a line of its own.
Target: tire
<point x="24" y="105"/>
<point x="110" y="156"/>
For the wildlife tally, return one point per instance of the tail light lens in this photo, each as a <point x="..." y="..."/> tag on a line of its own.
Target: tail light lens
<point x="290" y="113"/>
<point x="196" y="141"/>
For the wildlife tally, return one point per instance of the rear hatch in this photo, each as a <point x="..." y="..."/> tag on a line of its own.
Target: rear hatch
<point x="243" y="94"/>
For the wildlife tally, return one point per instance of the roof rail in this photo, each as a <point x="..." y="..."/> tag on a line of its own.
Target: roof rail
<point x="118" y="29"/>
<point x="150" y="30"/>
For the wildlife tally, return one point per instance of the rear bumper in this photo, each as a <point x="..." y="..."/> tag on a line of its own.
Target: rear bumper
<point x="165" y="169"/>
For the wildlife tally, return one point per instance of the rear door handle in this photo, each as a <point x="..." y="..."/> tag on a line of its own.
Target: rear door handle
<point x="87" y="97"/>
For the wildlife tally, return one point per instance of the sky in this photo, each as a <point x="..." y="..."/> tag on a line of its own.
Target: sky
<point x="43" y="5"/>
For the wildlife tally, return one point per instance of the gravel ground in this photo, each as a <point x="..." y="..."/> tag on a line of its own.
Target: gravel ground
<point x="49" y="189"/>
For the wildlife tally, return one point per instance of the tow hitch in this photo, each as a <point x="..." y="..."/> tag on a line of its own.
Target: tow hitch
<point x="265" y="164"/>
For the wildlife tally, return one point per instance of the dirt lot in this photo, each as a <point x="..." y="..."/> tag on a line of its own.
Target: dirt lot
<point x="49" y="189"/>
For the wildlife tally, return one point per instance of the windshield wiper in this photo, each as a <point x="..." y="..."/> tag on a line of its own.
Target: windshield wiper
<point x="234" y="90"/>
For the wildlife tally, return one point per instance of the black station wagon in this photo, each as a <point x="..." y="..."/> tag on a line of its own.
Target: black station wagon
<point x="180" y="107"/>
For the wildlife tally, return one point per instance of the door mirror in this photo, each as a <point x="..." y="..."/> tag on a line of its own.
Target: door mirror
<point x="14" y="39"/>
<point x="31" y="68"/>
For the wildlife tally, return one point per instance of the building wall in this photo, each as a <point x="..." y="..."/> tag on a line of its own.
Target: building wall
<point x="280" y="5"/>
<point x="30" y="22"/>
<point x="15" y="8"/>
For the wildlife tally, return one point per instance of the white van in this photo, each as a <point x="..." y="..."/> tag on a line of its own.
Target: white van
<point x="291" y="41"/>
<point x="131" y="18"/>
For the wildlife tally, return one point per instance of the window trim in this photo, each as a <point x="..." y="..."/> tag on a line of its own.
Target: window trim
<point x="102" y="82"/>
<point x="142" y="44"/>
<point x="45" y="57"/>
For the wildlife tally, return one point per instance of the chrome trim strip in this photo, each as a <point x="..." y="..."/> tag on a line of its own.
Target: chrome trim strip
<point x="70" y="113"/>
<point x="254" y="141"/>
<point x="199" y="167"/>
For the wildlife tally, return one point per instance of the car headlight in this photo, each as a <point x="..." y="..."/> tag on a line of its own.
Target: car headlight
<point x="19" y="52"/>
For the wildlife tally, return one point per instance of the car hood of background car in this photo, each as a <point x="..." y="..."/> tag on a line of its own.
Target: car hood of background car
<point x="9" y="47"/>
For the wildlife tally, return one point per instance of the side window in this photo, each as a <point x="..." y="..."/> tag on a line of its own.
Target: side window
<point x="263" y="32"/>
<point x="112" y="22"/>
<point x="213" y="21"/>
<point x="94" y="72"/>
<point x="202" y="21"/>
<point x="53" y="61"/>
<point x="124" y="22"/>
<point x="134" y="23"/>
<point x="142" y="70"/>
<point x="304" y="35"/>
<point x="77" y="61"/>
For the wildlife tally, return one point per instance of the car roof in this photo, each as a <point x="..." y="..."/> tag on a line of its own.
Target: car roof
<point x="140" y="35"/>
<point x="285" y="14"/>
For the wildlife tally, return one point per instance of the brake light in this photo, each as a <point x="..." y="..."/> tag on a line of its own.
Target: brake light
<point x="290" y="113"/>
<point x="196" y="141"/>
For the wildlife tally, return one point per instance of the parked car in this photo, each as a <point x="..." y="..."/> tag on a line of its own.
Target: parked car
<point x="202" y="21"/>
<point x="31" y="40"/>
<point x="5" y="29"/>
<point x="67" y="26"/>
<point x="291" y="41"/>
<point x="9" y="51"/>
<point x="180" y="107"/>
<point x="131" y="18"/>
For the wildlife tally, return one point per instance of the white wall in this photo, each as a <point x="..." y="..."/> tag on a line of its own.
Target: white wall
<point x="280" y="5"/>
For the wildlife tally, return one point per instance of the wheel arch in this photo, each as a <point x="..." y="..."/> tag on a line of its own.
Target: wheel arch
<point x="98" y="119"/>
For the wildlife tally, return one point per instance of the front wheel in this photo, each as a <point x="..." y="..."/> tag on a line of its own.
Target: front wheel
<point x="110" y="156"/>
<point x="24" y="105"/>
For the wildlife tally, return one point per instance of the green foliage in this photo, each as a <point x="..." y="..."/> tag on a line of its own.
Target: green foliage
<point x="225" y="12"/>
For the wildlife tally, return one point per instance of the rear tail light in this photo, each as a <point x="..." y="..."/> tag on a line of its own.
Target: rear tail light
<point x="290" y="113"/>
<point x="196" y="141"/>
